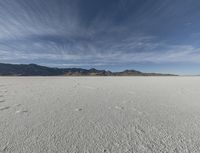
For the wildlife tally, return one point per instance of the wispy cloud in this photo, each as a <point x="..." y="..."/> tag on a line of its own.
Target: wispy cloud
<point x="73" y="33"/>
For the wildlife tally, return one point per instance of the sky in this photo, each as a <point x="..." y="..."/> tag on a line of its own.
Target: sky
<point x="146" y="35"/>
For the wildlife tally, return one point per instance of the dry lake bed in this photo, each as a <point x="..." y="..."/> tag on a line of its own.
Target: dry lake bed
<point x="99" y="114"/>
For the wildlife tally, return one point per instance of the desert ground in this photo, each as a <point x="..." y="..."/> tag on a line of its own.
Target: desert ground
<point x="99" y="114"/>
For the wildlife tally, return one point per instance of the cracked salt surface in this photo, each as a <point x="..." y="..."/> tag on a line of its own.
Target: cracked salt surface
<point x="125" y="114"/>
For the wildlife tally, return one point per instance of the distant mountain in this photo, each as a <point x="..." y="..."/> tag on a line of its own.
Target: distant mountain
<point x="37" y="70"/>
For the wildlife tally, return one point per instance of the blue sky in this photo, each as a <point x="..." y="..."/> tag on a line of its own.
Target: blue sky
<point x="146" y="35"/>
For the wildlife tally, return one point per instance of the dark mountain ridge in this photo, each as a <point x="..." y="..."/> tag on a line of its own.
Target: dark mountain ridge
<point x="37" y="70"/>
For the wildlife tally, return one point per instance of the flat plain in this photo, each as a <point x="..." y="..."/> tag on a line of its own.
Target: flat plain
<point x="99" y="114"/>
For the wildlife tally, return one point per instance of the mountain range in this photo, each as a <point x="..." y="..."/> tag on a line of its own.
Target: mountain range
<point x="38" y="70"/>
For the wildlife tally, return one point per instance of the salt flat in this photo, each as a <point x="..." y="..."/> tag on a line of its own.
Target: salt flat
<point x="99" y="114"/>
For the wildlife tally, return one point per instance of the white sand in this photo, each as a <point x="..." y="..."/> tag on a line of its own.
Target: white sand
<point x="99" y="114"/>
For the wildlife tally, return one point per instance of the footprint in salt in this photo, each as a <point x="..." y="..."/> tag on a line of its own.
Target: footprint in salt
<point x="21" y="111"/>
<point x="17" y="105"/>
<point x="2" y="101"/>
<point x="4" y="108"/>
<point x="78" y="109"/>
<point x="119" y="107"/>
